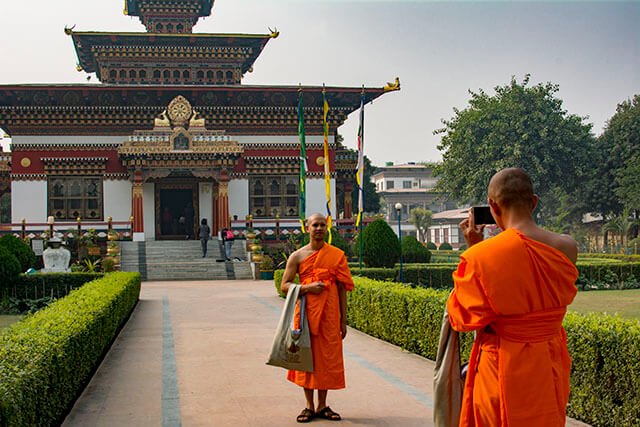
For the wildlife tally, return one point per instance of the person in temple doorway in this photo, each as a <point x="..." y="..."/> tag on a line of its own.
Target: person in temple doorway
<point x="188" y="220"/>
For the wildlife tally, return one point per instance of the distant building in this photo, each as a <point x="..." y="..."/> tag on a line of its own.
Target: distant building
<point x="412" y="185"/>
<point x="446" y="227"/>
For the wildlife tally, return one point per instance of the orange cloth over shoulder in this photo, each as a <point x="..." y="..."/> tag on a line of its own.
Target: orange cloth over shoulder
<point x="514" y="291"/>
<point x="327" y="265"/>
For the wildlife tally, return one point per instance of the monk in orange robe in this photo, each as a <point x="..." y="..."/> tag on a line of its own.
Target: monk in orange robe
<point x="513" y="290"/>
<point x="325" y="278"/>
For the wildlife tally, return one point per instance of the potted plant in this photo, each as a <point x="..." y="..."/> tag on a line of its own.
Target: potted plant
<point x="266" y="268"/>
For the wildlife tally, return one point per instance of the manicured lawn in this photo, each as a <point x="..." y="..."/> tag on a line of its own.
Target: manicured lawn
<point x="626" y="303"/>
<point x="6" y="320"/>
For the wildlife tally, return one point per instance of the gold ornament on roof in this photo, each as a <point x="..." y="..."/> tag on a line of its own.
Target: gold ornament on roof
<point x="197" y="121"/>
<point x="69" y="30"/>
<point x="162" y="121"/>
<point x="180" y="111"/>
<point x="392" y="86"/>
<point x="274" y="33"/>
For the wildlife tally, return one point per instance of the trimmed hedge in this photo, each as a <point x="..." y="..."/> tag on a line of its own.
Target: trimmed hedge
<point x="46" y="359"/>
<point x="605" y="385"/>
<point x="20" y="250"/>
<point x="54" y="285"/>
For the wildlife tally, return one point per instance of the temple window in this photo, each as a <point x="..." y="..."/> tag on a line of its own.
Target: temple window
<point x="73" y="197"/>
<point x="166" y="74"/>
<point x="229" y="76"/>
<point x="271" y="195"/>
<point x="186" y="74"/>
<point x="113" y="74"/>
<point x="159" y="28"/>
<point x="143" y="74"/>
<point x="176" y="74"/>
<point x="210" y="75"/>
<point x="169" y="28"/>
<point x="179" y="28"/>
<point x="200" y="74"/>
<point x="123" y="74"/>
<point x="219" y="76"/>
<point x="132" y="74"/>
<point x="156" y="74"/>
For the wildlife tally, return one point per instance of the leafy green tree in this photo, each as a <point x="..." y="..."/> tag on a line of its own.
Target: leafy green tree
<point x="9" y="267"/>
<point x="380" y="245"/>
<point x="421" y="218"/>
<point x="520" y="126"/>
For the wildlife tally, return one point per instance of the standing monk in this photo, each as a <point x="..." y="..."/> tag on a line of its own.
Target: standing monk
<point x="514" y="289"/>
<point x="325" y="279"/>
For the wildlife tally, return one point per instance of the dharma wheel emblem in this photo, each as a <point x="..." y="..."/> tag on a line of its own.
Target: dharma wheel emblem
<point x="180" y="111"/>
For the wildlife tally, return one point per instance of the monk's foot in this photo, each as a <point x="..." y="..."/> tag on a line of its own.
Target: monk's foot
<point x="328" y="414"/>
<point x="305" y="416"/>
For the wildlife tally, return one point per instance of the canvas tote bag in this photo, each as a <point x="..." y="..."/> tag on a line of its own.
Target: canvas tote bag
<point x="448" y="382"/>
<point x="291" y="348"/>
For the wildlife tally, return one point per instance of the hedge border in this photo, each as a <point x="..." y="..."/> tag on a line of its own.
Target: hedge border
<point x="55" y="285"/>
<point x="48" y="358"/>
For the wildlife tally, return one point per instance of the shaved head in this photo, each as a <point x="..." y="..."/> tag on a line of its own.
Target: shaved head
<point x="314" y="216"/>
<point x="511" y="188"/>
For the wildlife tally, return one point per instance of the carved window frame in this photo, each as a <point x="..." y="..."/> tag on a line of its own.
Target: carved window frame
<point x="69" y="197"/>
<point x="274" y="194"/>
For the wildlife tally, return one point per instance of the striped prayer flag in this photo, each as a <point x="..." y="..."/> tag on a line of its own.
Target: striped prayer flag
<point x="303" y="163"/>
<point x="360" y="166"/>
<point x="327" y="168"/>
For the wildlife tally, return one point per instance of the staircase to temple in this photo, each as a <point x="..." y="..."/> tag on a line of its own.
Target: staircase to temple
<point x="182" y="260"/>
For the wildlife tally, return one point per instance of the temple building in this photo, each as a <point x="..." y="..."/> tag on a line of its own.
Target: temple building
<point x="171" y="128"/>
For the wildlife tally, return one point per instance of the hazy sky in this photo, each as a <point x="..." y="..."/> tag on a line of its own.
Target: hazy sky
<point x="439" y="50"/>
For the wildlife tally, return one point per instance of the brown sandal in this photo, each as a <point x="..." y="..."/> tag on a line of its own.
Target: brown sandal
<point x="305" y="416"/>
<point x="328" y="414"/>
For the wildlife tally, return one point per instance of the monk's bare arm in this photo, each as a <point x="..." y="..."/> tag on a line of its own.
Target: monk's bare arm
<point x="342" y="295"/>
<point x="290" y="272"/>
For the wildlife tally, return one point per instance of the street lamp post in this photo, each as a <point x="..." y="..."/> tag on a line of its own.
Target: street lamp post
<point x="399" y="212"/>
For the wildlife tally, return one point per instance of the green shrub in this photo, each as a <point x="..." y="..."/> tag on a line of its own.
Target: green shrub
<point x="340" y="242"/>
<point x="605" y="385"/>
<point x="9" y="268"/>
<point x="277" y="280"/>
<point x="414" y="251"/>
<point x="46" y="359"/>
<point x="431" y="246"/>
<point x="51" y="285"/>
<point x="445" y="247"/>
<point x="380" y="245"/>
<point x="20" y="250"/>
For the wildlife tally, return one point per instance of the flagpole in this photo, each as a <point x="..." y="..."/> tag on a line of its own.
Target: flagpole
<point x="361" y="192"/>
<point x="303" y="161"/>
<point x="327" y="165"/>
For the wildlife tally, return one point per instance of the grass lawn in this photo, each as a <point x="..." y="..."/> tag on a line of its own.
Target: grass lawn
<point x="6" y="320"/>
<point x="626" y="303"/>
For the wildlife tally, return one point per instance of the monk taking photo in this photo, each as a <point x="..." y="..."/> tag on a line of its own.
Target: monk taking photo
<point x="325" y="278"/>
<point x="513" y="290"/>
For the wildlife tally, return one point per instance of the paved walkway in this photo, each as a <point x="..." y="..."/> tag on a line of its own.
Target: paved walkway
<point x="193" y="354"/>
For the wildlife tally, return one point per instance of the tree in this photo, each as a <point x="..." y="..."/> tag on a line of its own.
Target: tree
<point x="613" y="185"/>
<point x="380" y="245"/>
<point x="421" y="218"/>
<point x="520" y="126"/>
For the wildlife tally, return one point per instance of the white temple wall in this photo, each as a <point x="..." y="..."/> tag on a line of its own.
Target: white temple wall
<point x="205" y="202"/>
<point x="117" y="199"/>
<point x="239" y="198"/>
<point x="149" y="210"/>
<point x="317" y="199"/>
<point x="29" y="201"/>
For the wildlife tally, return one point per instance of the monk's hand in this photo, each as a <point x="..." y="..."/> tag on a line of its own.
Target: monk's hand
<point x="472" y="233"/>
<point x="315" y="288"/>
<point x="343" y="328"/>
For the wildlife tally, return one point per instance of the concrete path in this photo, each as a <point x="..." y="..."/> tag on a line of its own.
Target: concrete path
<point x="193" y="354"/>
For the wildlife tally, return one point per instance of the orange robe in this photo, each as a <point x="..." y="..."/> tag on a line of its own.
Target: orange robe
<point x="514" y="292"/>
<point x="327" y="265"/>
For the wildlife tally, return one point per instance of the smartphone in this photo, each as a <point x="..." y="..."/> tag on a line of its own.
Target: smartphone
<point x="482" y="215"/>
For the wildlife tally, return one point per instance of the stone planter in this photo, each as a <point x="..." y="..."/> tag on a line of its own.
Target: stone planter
<point x="266" y="275"/>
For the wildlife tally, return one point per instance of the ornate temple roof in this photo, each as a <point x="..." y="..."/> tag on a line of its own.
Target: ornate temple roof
<point x="144" y="47"/>
<point x="134" y="7"/>
<point x="119" y="110"/>
<point x="168" y="16"/>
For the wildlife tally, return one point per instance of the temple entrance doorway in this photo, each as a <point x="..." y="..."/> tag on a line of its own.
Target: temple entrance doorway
<point x="176" y="211"/>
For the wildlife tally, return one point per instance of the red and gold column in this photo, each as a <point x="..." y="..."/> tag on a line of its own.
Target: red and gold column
<point x="137" y="203"/>
<point x="222" y="205"/>
<point x="348" y="202"/>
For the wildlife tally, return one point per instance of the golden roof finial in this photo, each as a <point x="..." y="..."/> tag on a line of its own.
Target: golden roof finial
<point x="79" y="67"/>
<point x="68" y="31"/>
<point x="392" y="86"/>
<point x="274" y="33"/>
